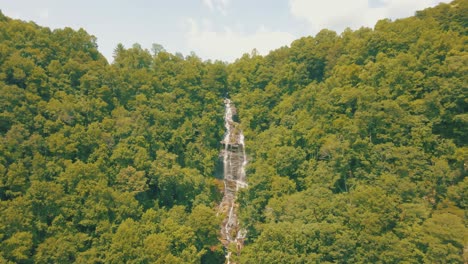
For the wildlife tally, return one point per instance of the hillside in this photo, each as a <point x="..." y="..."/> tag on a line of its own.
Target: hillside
<point x="105" y="163"/>
<point x="356" y="146"/>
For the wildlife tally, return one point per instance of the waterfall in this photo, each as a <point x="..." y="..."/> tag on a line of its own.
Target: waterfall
<point x="234" y="162"/>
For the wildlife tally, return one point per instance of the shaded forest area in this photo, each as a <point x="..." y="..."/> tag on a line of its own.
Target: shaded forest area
<point x="357" y="147"/>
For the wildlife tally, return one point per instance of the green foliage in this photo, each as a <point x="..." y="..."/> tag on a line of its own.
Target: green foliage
<point x="105" y="163"/>
<point x="356" y="145"/>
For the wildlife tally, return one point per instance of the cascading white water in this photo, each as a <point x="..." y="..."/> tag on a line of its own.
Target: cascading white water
<point x="234" y="163"/>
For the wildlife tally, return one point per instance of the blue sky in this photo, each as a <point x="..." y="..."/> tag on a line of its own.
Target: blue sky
<point x="213" y="29"/>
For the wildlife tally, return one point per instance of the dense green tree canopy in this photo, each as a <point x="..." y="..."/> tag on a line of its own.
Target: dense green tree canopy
<point x="357" y="147"/>
<point x="357" y="144"/>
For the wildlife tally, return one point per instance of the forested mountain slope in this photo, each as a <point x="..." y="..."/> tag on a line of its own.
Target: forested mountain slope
<point x="105" y="163"/>
<point x="356" y="145"/>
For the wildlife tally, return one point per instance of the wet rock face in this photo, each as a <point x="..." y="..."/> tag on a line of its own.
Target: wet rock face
<point x="234" y="162"/>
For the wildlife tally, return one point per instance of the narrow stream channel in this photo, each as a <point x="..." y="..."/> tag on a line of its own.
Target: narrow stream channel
<point x="234" y="162"/>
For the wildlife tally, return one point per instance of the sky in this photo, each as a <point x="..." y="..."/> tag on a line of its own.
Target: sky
<point x="213" y="29"/>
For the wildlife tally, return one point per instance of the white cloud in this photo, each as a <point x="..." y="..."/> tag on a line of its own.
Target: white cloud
<point x="209" y="4"/>
<point x="44" y="13"/>
<point x="217" y="5"/>
<point x="230" y="44"/>
<point x="16" y="15"/>
<point x="339" y="14"/>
